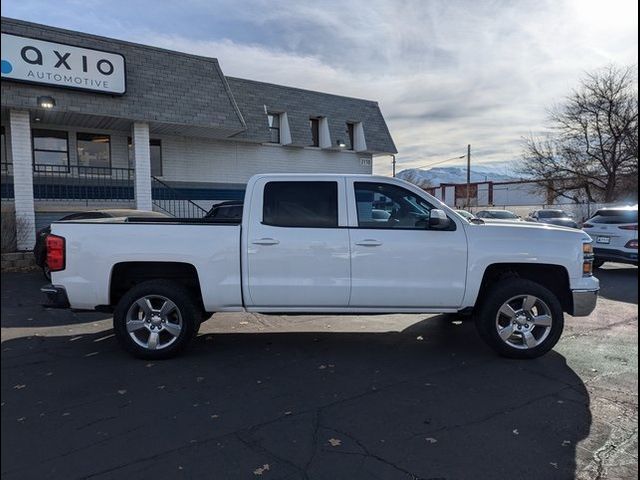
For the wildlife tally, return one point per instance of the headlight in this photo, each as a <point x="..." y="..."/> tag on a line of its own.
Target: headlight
<point x="588" y="257"/>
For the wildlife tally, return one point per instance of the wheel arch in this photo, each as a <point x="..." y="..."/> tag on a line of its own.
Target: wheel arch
<point x="125" y="275"/>
<point x="551" y="276"/>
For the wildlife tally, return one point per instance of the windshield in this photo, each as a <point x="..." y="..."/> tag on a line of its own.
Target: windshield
<point x="615" y="216"/>
<point x="502" y="214"/>
<point x="552" y="214"/>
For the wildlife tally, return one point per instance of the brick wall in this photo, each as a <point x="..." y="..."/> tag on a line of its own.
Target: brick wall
<point x="199" y="160"/>
<point x="220" y="161"/>
<point x="22" y="178"/>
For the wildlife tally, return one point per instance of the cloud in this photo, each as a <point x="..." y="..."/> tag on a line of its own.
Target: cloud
<point x="445" y="73"/>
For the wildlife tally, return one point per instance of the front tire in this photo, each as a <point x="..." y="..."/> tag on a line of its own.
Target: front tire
<point x="520" y="319"/>
<point x="156" y="319"/>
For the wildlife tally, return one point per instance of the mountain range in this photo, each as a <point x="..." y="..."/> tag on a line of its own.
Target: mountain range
<point x="432" y="177"/>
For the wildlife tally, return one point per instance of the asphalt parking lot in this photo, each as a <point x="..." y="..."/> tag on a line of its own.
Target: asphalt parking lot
<point x="384" y="397"/>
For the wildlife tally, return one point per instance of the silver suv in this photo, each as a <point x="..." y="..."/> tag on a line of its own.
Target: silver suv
<point x="615" y="235"/>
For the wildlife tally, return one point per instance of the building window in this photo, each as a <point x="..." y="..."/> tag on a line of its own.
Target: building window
<point x="155" y="150"/>
<point x="94" y="152"/>
<point x="314" y="124"/>
<point x="274" y="127"/>
<point x="3" y="150"/>
<point x="350" y="130"/>
<point x="301" y="204"/>
<point x="155" y="147"/>
<point x="50" y="150"/>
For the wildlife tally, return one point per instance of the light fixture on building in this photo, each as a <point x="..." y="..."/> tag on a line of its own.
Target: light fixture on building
<point x="46" y="102"/>
<point x="341" y="143"/>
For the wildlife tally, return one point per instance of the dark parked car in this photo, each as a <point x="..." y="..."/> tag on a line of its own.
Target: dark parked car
<point x="553" y="217"/>
<point x="40" y="248"/>
<point x="231" y="210"/>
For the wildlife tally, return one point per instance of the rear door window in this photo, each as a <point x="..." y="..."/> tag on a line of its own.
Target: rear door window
<point x="301" y="204"/>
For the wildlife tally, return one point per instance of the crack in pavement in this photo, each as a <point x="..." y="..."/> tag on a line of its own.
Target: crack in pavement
<point x="607" y="450"/>
<point x="367" y="453"/>
<point x="490" y="416"/>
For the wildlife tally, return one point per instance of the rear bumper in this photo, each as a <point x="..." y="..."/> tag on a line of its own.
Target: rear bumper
<point x="615" y="255"/>
<point x="584" y="302"/>
<point x="56" y="296"/>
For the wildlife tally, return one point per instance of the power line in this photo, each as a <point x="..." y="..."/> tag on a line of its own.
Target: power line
<point x="442" y="161"/>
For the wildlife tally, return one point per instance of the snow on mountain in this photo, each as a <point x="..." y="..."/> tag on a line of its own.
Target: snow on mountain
<point x="435" y="176"/>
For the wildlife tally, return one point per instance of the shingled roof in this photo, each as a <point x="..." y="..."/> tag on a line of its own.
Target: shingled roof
<point x="252" y="97"/>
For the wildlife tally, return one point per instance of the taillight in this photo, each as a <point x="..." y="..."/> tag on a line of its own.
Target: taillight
<point x="587" y="225"/>
<point x="632" y="244"/>
<point x="55" y="253"/>
<point x="629" y="227"/>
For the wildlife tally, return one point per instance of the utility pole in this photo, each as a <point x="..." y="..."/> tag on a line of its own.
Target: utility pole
<point x="468" y="176"/>
<point x="393" y="164"/>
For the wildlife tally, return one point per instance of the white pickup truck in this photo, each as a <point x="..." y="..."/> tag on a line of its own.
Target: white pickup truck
<point x="324" y="244"/>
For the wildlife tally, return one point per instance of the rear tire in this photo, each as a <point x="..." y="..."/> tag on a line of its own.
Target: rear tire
<point x="156" y="319"/>
<point x="520" y="319"/>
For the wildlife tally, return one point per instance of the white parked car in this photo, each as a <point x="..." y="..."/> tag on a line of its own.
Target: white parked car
<point x="497" y="216"/>
<point x="466" y="215"/>
<point x="615" y="235"/>
<point x="319" y="244"/>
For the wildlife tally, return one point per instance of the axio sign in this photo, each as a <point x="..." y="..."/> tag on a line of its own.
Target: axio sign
<point x="35" y="61"/>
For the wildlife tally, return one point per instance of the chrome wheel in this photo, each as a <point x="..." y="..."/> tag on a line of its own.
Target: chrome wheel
<point x="524" y="322"/>
<point x="154" y="322"/>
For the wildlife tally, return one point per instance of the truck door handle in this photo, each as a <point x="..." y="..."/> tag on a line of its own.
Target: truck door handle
<point x="265" y="241"/>
<point x="369" y="242"/>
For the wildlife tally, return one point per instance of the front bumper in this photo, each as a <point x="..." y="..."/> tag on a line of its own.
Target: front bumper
<point x="584" y="302"/>
<point x="614" y="255"/>
<point x="57" y="296"/>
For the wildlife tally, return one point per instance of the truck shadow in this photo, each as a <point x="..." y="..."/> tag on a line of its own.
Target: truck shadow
<point x="429" y="402"/>
<point x="618" y="282"/>
<point x="23" y="304"/>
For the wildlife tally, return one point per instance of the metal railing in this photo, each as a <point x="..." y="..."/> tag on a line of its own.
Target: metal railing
<point x="170" y="201"/>
<point x="74" y="182"/>
<point x="98" y="184"/>
<point x="77" y="182"/>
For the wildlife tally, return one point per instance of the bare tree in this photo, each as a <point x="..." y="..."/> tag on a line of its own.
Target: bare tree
<point x="592" y="150"/>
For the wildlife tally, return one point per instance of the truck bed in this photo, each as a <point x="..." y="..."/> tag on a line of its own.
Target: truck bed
<point x="94" y="248"/>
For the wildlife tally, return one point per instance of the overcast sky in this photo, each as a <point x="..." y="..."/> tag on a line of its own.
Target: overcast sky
<point x="446" y="73"/>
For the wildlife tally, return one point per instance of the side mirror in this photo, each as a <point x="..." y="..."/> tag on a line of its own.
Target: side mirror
<point x="438" y="220"/>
